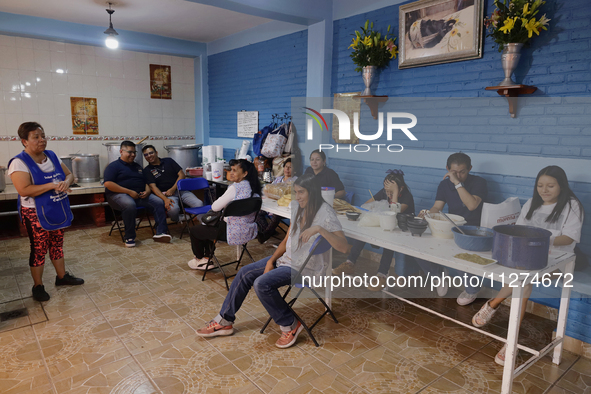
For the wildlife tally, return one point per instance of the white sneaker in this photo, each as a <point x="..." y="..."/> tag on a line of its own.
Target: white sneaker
<point x="199" y="264"/>
<point x="483" y="316"/>
<point x="442" y="289"/>
<point x="466" y="298"/>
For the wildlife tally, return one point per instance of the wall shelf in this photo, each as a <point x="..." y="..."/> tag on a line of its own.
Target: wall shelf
<point x="373" y="103"/>
<point x="512" y="92"/>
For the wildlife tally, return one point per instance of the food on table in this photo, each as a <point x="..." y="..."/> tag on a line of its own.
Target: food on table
<point x="277" y="190"/>
<point x="342" y="206"/>
<point x="285" y="200"/>
<point x="474" y="258"/>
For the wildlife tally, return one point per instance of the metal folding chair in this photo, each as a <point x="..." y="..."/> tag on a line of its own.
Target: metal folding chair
<point x="118" y="218"/>
<point x="319" y="246"/>
<point x="235" y="208"/>
<point x="193" y="184"/>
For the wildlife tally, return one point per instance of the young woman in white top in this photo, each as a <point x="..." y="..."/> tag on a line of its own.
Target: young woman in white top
<point x="553" y="207"/>
<point x="313" y="218"/>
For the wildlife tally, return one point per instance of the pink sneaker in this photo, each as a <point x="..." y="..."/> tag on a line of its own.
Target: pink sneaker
<point x="288" y="338"/>
<point x="214" y="329"/>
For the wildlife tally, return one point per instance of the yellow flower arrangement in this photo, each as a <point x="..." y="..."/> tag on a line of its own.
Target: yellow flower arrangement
<point x="514" y="21"/>
<point x="371" y="49"/>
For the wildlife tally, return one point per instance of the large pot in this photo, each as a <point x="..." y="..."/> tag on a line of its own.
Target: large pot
<point x="521" y="247"/>
<point x="113" y="152"/>
<point x="67" y="160"/>
<point x="2" y="178"/>
<point x="185" y="155"/>
<point x="86" y="167"/>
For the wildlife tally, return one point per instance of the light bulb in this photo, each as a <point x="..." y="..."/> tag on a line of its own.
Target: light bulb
<point x="111" y="42"/>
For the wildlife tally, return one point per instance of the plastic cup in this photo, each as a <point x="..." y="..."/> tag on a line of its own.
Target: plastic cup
<point x="328" y="194"/>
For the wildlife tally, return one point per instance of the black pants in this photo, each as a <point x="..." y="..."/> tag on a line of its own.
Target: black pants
<point x="202" y="238"/>
<point x="268" y="228"/>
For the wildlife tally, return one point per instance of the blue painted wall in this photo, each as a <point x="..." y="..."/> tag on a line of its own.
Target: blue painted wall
<point x="550" y="125"/>
<point x="260" y="77"/>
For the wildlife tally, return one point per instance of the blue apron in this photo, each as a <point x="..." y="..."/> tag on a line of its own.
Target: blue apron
<point x="53" y="208"/>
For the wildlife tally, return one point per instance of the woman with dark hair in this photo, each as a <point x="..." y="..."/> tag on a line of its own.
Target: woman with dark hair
<point x="234" y="230"/>
<point x="42" y="182"/>
<point x="553" y="207"/>
<point x="326" y="177"/>
<point x="394" y="191"/>
<point x="313" y="218"/>
<point x="267" y="229"/>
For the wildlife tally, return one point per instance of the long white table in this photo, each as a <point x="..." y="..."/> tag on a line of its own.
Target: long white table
<point x="441" y="251"/>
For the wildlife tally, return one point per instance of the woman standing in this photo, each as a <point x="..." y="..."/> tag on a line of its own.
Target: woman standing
<point x="42" y="180"/>
<point x="234" y="230"/>
<point x="313" y="218"/>
<point x="325" y="176"/>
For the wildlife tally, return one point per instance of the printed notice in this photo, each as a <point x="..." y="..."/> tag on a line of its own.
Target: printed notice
<point x="248" y="123"/>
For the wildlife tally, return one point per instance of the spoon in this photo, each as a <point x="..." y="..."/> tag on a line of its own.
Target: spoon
<point x="452" y="222"/>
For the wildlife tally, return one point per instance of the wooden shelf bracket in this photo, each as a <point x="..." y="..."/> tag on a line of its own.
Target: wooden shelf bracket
<point x="512" y="92"/>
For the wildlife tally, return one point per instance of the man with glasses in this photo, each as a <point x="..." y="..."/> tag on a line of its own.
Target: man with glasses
<point x="463" y="193"/>
<point x="126" y="190"/>
<point x="162" y="175"/>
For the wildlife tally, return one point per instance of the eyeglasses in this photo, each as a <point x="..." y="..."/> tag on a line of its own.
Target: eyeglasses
<point x="149" y="154"/>
<point x="131" y="152"/>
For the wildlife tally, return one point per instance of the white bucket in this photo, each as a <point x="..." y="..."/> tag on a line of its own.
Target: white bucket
<point x="328" y="194"/>
<point x="217" y="171"/>
<point x="388" y="220"/>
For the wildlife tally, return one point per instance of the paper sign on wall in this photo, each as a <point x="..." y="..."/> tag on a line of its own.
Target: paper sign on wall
<point x="248" y="123"/>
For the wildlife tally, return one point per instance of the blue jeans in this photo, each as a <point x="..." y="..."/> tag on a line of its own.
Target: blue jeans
<point x="128" y="207"/>
<point x="266" y="287"/>
<point x="403" y="262"/>
<point x="189" y="201"/>
<point x="436" y="270"/>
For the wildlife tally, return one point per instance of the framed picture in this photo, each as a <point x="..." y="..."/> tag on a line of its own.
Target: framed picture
<point x="440" y="31"/>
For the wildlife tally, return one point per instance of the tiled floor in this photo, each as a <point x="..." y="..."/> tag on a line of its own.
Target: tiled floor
<point x="131" y="329"/>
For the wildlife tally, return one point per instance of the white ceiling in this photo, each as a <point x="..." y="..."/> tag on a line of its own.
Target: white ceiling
<point x="170" y="18"/>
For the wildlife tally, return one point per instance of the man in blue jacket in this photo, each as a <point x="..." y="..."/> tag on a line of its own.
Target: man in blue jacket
<point x="126" y="190"/>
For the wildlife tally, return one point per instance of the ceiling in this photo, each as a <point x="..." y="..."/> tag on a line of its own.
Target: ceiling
<point x="170" y="18"/>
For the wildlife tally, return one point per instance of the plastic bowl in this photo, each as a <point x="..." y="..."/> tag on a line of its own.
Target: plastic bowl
<point x="441" y="227"/>
<point x="477" y="239"/>
<point x="352" y="215"/>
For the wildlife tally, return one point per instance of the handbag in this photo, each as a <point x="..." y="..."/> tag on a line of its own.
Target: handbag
<point x="211" y="218"/>
<point x="259" y="139"/>
<point x="274" y="143"/>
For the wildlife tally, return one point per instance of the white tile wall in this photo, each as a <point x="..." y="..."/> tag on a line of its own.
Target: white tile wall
<point x="32" y="89"/>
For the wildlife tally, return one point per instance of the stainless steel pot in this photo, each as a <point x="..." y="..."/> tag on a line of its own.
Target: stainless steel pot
<point x="67" y="160"/>
<point x="185" y="155"/>
<point x="2" y="178"/>
<point x="113" y="152"/>
<point x="86" y="167"/>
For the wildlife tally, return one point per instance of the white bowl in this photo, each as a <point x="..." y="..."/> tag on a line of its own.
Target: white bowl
<point x="441" y="227"/>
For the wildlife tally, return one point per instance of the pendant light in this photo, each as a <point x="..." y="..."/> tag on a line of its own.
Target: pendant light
<point x="111" y="41"/>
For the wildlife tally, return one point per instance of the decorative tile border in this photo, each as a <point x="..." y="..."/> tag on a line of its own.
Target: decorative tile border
<point x="106" y="138"/>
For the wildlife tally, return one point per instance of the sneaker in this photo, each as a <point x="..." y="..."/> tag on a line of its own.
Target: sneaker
<point x="214" y="329"/>
<point x="466" y="298"/>
<point x="199" y="264"/>
<point x="39" y="293"/>
<point x="381" y="284"/>
<point x="483" y="316"/>
<point x="130" y="243"/>
<point x="442" y="289"/>
<point x="347" y="268"/>
<point x="500" y="357"/>
<point x="288" y="338"/>
<point x="69" y="280"/>
<point x="164" y="238"/>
